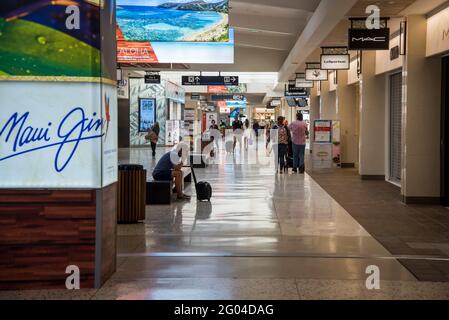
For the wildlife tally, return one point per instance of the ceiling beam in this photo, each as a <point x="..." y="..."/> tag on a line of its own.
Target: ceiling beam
<point x="262" y="40"/>
<point x="307" y="5"/>
<point x="326" y="17"/>
<point x="288" y="26"/>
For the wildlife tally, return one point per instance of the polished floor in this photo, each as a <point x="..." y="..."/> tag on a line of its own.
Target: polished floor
<point x="263" y="236"/>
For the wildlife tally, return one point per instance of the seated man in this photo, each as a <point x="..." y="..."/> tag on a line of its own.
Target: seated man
<point x="168" y="168"/>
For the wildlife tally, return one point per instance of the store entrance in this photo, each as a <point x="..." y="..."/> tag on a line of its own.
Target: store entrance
<point x="395" y="127"/>
<point x="445" y="134"/>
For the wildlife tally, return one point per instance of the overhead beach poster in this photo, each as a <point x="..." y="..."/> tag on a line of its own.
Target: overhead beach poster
<point x="36" y="42"/>
<point x="154" y="36"/>
<point x="173" y="20"/>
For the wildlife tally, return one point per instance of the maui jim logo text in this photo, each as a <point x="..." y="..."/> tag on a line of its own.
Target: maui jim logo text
<point x="445" y="34"/>
<point x="21" y="137"/>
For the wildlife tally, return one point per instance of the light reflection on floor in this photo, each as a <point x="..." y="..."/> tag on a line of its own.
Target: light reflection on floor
<point x="263" y="236"/>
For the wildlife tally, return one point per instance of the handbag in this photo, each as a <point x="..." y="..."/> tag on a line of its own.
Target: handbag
<point x="152" y="136"/>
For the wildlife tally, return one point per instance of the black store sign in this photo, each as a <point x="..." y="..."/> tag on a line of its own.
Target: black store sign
<point x="365" y="39"/>
<point x="152" y="79"/>
<point x="210" y="81"/>
<point x="295" y="92"/>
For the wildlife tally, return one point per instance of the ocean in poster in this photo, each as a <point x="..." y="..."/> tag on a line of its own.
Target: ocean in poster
<point x="152" y="23"/>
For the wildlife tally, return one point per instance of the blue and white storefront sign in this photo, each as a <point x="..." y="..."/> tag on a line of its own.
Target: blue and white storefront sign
<point x="57" y="135"/>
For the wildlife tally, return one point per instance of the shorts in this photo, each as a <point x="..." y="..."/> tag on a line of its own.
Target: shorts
<point x="162" y="176"/>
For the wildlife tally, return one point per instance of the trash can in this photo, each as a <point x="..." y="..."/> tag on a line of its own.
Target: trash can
<point x="131" y="193"/>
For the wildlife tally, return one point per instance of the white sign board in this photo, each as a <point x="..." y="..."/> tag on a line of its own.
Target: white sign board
<point x="316" y="75"/>
<point x="438" y="33"/>
<point x="303" y="83"/>
<point x="189" y="114"/>
<point x="57" y="135"/>
<point x="322" y="156"/>
<point x="335" y="62"/>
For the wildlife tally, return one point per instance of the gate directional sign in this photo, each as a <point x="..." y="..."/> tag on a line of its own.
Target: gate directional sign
<point x="152" y="79"/>
<point x="210" y="80"/>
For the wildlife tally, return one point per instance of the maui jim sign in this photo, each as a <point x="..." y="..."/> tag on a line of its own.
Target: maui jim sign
<point x="438" y="33"/>
<point x="365" y="39"/>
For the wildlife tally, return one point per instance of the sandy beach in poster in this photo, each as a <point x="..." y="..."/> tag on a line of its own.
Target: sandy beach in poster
<point x="218" y="32"/>
<point x="141" y="20"/>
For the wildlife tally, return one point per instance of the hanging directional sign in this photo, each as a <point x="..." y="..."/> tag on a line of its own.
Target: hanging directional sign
<point x="303" y="83"/>
<point x="228" y="97"/>
<point x="210" y="81"/>
<point x="335" y="62"/>
<point x="315" y="73"/>
<point x="152" y="78"/>
<point x="365" y="39"/>
<point x="293" y="91"/>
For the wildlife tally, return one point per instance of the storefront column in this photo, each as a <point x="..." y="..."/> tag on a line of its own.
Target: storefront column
<point x="328" y="103"/>
<point x="421" y="118"/>
<point x="372" y="120"/>
<point x="346" y="113"/>
<point x="58" y="185"/>
<point x="314" y="111"/>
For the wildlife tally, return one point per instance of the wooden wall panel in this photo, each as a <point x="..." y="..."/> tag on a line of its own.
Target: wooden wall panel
<point x="44" y="231"/>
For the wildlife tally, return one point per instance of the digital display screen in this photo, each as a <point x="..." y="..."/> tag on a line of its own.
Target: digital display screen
<point x="173" y="20"/>
<point x="147" y="113"/>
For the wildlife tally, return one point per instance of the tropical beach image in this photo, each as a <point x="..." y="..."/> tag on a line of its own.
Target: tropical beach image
<point x="173" y="20"/>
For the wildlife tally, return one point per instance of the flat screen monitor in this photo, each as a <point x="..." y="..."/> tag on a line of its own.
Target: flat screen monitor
<point x="147" y="113"/>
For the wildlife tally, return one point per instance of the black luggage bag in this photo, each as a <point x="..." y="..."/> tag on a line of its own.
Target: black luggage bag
<point x="203" y="188"/>
<point x="289" y="155"/>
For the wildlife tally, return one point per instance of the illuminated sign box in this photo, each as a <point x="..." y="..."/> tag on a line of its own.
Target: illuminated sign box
<point x="54" y="135"/>
<point x="147" y="113"/>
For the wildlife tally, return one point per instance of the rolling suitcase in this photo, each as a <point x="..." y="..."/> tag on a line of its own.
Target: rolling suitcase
<point x="229" y="146"/>
<point x="203" y="188"/>
<point x="289" y="157"/>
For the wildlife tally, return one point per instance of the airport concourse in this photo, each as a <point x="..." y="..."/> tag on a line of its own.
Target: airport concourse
<point x="224" y="150"/>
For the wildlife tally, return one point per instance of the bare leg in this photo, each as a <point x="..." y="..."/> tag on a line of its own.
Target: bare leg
<point x="177" y="174"/>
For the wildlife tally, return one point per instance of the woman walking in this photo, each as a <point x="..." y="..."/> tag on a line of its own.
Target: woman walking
<point x="153" y="136"/>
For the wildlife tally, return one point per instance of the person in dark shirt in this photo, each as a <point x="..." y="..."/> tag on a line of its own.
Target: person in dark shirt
<point x="168" y="168"/>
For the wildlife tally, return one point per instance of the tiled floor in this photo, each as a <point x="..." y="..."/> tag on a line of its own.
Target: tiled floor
<point x="411" y="230"/>
<point x="262" y="237"/>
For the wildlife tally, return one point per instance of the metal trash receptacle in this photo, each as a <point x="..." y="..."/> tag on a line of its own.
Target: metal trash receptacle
<point x="131" y="193"/>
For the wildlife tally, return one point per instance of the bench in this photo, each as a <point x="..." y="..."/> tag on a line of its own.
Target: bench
<point x="161" y="192"/>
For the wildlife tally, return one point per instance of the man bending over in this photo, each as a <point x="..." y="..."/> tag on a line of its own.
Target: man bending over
<point x="169" y="168"/>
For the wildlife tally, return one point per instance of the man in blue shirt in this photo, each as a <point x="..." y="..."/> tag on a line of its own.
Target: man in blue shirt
<point x="168" y="168"/>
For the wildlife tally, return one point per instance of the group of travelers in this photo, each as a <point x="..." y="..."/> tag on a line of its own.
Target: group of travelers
<point x="288" y="143"/>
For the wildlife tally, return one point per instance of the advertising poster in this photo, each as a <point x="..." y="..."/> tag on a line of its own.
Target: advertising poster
<point x="58" y="125"/>
<point x="175" y="52"/>
<point x="169" y="125"/>
<point x="174" y="31"/>
<point x="323" y="131"/>
<point x="147" y="113"/>
<point x="109" y="161"/>
<point x="53" y="49"/>
<point x="241" y="88"/>
<point x="211" y="116"/>
<point x="173" y="20"/>
<point x="53" y="135"/>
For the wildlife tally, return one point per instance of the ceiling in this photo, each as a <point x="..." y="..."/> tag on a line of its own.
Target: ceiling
<point x="388" y="8"/>
<point x="265" y="32"/>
